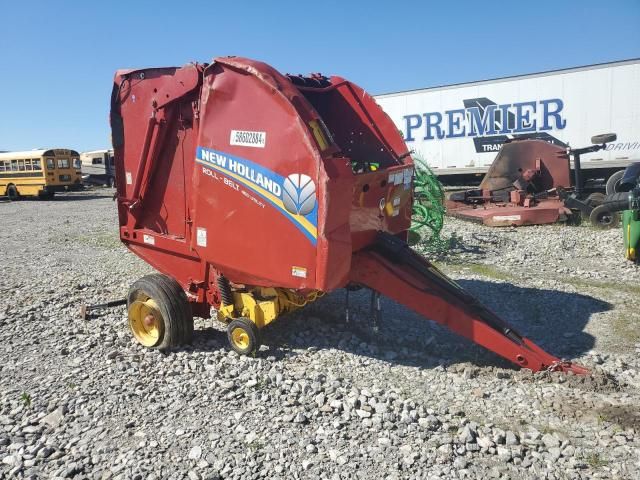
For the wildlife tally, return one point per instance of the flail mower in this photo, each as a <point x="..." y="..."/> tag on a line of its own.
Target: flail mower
<point x="255" y="193"/>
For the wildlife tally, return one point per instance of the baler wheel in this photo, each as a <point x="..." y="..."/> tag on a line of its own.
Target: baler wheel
<point x="159" y="313"/>
<point x="244" y="336"/>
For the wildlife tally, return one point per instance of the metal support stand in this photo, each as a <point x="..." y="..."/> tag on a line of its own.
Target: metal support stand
<point x="375" y="311"/>
<point x="347" y="319"/>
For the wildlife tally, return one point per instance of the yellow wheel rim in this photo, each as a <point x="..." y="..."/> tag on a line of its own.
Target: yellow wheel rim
<point x="146" y="322"/>
<point x="240" y="338"/>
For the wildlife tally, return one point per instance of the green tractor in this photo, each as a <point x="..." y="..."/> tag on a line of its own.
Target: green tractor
<point x="630" y="184"/>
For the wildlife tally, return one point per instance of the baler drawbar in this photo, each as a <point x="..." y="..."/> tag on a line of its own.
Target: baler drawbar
<point x="255" y="193"/>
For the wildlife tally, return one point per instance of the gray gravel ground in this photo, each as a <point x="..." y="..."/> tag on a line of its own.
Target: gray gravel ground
<point x="79" y="399"/>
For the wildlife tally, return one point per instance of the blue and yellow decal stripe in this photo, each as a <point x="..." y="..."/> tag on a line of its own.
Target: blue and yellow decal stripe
<point x="307" y="224"/>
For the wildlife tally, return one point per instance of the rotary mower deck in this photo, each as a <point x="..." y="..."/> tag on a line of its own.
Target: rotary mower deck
<point x="529" y="183"/>
<point x="256" y="193"/>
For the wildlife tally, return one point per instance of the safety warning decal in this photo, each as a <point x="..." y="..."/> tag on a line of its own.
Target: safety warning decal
<point x="299" y="272"/>
<point x="201" y="237"/>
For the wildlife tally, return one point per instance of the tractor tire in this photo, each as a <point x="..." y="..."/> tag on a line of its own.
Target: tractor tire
<point x="594" y="200"/>
<point x="159" y="313"/>
<point x="12" y="193"/>
<point x="244" y="336"/>
<point x="601" y="217"/>
<point x="614" y="182"/>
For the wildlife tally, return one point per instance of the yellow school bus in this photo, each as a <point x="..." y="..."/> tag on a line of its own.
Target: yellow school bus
<point x="39" y="172"/>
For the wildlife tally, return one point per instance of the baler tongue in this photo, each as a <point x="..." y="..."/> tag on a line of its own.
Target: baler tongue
<point x="392" y="268"/>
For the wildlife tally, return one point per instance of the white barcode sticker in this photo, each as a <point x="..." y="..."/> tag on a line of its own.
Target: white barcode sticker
<point x="248" y="139"/>
<point x="129" y="179"/>
<point x="506" y="218"/>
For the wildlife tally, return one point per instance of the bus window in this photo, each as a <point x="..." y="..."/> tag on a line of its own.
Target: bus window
<point x="96" y="161"/>
<point x="50" y="164"/>
<point x="27" y="165"/>
<point x="77" y="164"/>
<point x="21" y="165"/>
<point x="14" y="165"/>
<point x="2" y="166"/>
<point x="63" y="163"/>
<point x="36" y="164"/>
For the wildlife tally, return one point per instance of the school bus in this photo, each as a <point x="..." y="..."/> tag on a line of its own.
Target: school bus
<point x="39" y="172"/>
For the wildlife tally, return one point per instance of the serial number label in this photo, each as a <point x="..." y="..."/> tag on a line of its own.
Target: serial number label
<point x="246" y="138"/>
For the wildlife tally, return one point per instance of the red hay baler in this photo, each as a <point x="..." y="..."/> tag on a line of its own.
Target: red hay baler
<point x="256" y="193"/>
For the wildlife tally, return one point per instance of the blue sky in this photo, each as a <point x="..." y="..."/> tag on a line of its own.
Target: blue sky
<point x="58" y="58"/>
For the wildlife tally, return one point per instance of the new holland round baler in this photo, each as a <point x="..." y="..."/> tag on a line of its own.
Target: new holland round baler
<point x="255" y="193"/>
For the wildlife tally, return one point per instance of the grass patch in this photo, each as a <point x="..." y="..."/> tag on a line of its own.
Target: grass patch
<point x="489" y="271"/>
<point x="619" y="286"/>
<point x="108" y="240"/>
<point x="596" y="461"/>
<point x="481" y="269"/>
<point x="26" y="399"/>
<point x="624" y="326"/>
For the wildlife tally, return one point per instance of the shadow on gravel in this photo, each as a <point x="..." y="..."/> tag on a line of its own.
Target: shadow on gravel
<point x="64" y="197"/>
<point x="553" y="319"/>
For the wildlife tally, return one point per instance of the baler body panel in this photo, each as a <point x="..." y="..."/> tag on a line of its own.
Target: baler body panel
<point x="251" y="139"/>
<point x="226" y="152"/>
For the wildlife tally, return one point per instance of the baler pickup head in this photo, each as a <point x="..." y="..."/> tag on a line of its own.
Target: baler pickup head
<point x="257" y="192"/>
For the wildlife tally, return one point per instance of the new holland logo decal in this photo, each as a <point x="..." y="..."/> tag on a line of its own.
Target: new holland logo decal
<point x="299" y="194"/>
<point x="293" y="196"/>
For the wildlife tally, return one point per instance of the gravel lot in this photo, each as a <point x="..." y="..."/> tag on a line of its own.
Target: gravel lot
<point x="79" y="399"/>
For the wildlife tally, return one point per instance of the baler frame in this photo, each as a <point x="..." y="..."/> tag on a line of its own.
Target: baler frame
<point x="190" y="196"/>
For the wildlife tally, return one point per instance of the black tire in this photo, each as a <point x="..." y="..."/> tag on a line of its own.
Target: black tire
<point x="46" y="195"/>
<point x="594" y="200"/>
<point x="177" y="319"/>
<point x="251" y="332"/>
<point x="12" y="193"/>
<point x="603" y="218"/>
<point x="614" y="182"/>
<point x="575" y="218"/>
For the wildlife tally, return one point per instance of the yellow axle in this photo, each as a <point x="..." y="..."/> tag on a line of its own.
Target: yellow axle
<point x="263" y="305"/>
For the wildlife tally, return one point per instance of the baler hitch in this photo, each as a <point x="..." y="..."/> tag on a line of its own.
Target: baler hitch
<point x="88" y="311"/>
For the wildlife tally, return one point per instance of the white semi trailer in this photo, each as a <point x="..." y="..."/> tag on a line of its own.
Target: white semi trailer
<point x="458" y="129"/>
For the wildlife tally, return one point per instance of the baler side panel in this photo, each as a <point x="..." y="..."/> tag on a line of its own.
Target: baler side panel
<point x="334" y="251"/>
<point x="157" y="230"/>
<point x="238" y="186"/>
